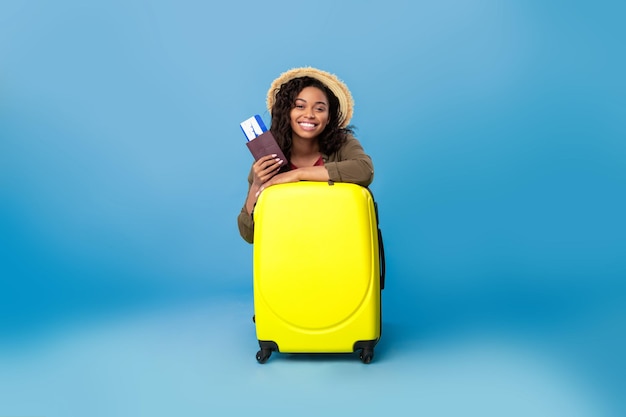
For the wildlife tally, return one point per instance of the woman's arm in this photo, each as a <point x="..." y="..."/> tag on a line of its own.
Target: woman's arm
<point x="351" y="164"/>
<point x="316" y="173"/>
<point x="246" y="225"/>
<point x="262" y="170"/>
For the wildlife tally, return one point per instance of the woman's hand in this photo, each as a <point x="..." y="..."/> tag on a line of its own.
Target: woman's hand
<point x="315" y="173"/>
<point x="282" y="178"/>
<point x="265" y="168"/>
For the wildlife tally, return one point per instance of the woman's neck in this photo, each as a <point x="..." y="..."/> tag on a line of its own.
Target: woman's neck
<point x="303" y="148"/>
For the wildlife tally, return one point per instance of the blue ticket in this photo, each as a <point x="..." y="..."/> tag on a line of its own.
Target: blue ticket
<point x="253" y="127"/>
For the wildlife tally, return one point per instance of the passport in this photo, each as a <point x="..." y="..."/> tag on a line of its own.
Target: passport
<point x="265" y="144"/>
<point x="261" y="142"/>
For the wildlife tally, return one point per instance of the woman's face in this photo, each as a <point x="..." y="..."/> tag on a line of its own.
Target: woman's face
<point x="309" y="116"/>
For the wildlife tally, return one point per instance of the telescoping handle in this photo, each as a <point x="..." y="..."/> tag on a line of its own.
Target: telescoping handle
<point x="381" y="257"/>
<point x="381" y="249"/>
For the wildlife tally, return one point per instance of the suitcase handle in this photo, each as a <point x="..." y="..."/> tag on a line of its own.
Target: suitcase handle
<point x="381" y="247"/>
<point x="381" y="256"/>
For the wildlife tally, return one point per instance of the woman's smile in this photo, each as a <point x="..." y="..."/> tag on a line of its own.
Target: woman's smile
<point x="307" y="125"/>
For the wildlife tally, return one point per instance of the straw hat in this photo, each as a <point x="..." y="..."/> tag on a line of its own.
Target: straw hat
<point x="339" y="89"/>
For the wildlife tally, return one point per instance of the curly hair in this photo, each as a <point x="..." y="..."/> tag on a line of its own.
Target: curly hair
<point x="331" y="138"/>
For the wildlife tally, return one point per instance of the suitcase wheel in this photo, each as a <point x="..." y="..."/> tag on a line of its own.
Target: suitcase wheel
<point x="367" y="355"/>
<point x="263" y="355"/>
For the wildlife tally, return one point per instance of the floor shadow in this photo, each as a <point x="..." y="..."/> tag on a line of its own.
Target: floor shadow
<point x="315" y="357"/>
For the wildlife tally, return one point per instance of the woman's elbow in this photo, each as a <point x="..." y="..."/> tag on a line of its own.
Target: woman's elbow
<point x="365" y="174"/>
<point x="246" y="227"/>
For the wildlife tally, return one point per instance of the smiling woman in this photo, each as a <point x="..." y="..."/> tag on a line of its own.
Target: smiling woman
<point x="311" y="111"/>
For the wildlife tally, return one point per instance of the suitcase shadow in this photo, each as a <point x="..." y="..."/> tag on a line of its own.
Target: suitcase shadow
<point x="317" y="357"/>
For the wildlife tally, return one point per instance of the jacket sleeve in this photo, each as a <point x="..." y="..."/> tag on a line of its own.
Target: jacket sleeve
<point x="244" y="220"/>
<point x="351" y="164"/>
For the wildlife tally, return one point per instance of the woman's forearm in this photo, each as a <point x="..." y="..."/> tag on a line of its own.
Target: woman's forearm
<point x="316" y="173"/>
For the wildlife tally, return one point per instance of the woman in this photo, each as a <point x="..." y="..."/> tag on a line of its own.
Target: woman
<point x="310" y="111"/>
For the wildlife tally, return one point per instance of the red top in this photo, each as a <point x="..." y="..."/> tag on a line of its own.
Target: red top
<point x="319" y="162"/>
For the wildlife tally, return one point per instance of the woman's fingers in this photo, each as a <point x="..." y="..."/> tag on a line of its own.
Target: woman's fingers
<point x="266" y="167"/>
<point x="270" y="162"/>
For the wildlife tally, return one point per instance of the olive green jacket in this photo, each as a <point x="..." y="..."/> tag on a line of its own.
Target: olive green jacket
<point x="349" y="164"/>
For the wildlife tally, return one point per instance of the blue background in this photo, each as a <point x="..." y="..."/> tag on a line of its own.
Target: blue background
<point x="498" y="133"/>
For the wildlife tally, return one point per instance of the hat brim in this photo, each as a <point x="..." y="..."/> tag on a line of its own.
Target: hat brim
<point x="339" y="89"/>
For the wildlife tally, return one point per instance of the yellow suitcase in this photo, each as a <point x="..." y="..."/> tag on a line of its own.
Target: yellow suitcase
<point x="318" y="269"/>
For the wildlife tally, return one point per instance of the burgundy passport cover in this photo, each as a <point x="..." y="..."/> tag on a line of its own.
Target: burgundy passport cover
<point x="265" y="144"/>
